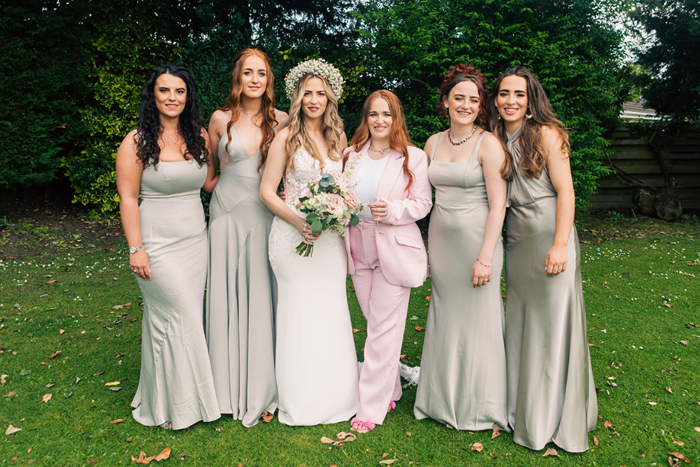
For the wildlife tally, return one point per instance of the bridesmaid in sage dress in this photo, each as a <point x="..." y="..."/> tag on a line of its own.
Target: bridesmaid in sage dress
<point x="463" y="368"/>
<point x="551" y="394"/>
<point x="167" y="158"/>
<point x="240" y="285"/>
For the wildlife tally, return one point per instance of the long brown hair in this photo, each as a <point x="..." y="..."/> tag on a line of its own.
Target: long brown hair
<point x="462" y="73"/>
<point x="298" y="134"/>
<point x="267" y="119"/>
<point x="399" y="140"/>
<point x="540" y="114"/>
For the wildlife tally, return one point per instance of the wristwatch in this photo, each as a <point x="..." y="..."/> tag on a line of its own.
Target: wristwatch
<point x="134" y="249"/>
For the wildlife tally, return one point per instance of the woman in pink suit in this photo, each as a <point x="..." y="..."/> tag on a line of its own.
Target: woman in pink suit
<point x="386" y="254"/>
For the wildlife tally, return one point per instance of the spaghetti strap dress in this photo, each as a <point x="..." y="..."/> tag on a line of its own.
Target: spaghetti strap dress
<point x="551" y="394"/>
<point x="239" y="316"/>
<point x="176" y="382"/>
<point x="463" y="367"/>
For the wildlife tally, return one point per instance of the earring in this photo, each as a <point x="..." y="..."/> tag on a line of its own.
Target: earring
<point x="528" y="115"/>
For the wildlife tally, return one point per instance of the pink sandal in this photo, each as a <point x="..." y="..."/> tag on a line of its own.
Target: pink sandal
<point x="392" y="406"/>
<point x="369" y="425"/>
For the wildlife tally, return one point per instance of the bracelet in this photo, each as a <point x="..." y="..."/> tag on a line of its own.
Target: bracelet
<point x="482" y="263"/>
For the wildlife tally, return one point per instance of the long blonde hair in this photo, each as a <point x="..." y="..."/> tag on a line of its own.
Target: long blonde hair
<point x="299" y="135"/>
<point x="267" y="122"/>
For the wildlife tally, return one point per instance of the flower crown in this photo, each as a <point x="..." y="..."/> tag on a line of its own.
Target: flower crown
<point x="318" y="67"/>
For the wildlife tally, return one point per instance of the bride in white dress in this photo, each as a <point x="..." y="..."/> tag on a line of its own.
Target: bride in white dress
<point x="316" y="363"/>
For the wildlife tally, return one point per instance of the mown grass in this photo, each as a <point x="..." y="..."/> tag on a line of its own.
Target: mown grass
<point x="641" y="296"/>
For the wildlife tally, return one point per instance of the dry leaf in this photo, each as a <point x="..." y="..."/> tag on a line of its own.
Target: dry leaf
<point x="387" y="461"/>
<point x="680" y="443"/>
<point x="61" y="331"/>
<point x="29" y="450"/>
<point x="46" y="398"/>
<point x="384" y="455"/>
<point x="684" y="342"/>
<point x="607" y="424"/>
<point x="428" y="297"/>
<point x="11" y="393"/>
<point x="669" y="390"/>
<point x="164" y="454"/>
<point x="51" y="281"/>
<point x="3" y="379"/>
<point x="267" y="416"/>
<point x="347" y="437"/>
<point x="114" y="422"/>
<point x="652" y="403"/>
<point x="53" y="355"/>
<point x="420" y="328"/>
<point x="476" y="447"/>
<point x="128" y="440"/>
<point x="550" y="452"/>
<point x="11" y="429"/>
<point x="595" y="441"/>
<point x="325" y="440"/>
<point x="51" y="384"/>
<point x="496" y="431"/>
<point x="678" y="455"/>
<point x="14" y="459"/>
<point x="142" y="459"/>
<point x="355" y="330"/>
<point x="113" y="383"/>
<point x="697" y="428"/>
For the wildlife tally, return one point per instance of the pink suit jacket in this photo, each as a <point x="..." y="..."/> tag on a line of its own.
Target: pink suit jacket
<point x="400" y="245"/>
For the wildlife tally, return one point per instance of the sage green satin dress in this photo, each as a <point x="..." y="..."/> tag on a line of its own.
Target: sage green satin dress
<point x="176" y="382"/>
<point x="551" y="394"/>
<point x="463" y="368"/>
<point x="240" y="289"/>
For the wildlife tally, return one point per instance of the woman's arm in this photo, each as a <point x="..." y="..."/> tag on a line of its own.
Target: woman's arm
<point x="212" y="179"/>
<point x="274" y="170"/>
<point x="491" y="158"/>
<point x="129" y="171"/>
<point x="417" y="202"/>
<point x="560" y="175"/>
<point x="282" y="120"/>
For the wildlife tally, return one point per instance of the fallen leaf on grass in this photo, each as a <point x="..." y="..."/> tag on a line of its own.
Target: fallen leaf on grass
<point x="46" y="398"/>
<point x="183" y="455"/>
<point x="50" y="385"/>
<point x="29" y="450"/>
<point x="128" y="440"/>
<point x="98" y="373"/>
<point x="164" y="454"/>
<point x="14" y="459"/>
<point x="387" y="461"/>
<point x="384" y="455"/>
<point x="668" y="389"/>
<point x="144" y="459"/>
<point x="595" y="441"/>
<point x="267" y="416"/>
<point x="355" y="330"/>
<point x="652" y="403"/>
<point x="114" y="422"/>
<point x="113" y="383"/>
<point x="51" y="281"/>
<point x="347" y="437"/>
<point x="550" y="452"/>
<point x="496" y="431"/>
<point x="680" y="443"/>
<point x="607" y="424"/>
<point x="3" y="379"/>
<point x="420" y="328"/>
<point x="678" y="455"/>
<point x="697" y="428"/>
<point x="684" y="342"/>
<point x="61" y="331"/>
<point x="11" y="393"/>
<point x="11" y="429"/>
<point x="428" y="297"/>
<point x="476" y="447"/>
<point x="93" y="461"/>
<point x="325" y="440"/>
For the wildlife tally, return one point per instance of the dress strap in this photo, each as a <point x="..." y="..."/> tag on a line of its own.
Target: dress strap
<point x="435" y="143"/>
<point x="475" y="153"/>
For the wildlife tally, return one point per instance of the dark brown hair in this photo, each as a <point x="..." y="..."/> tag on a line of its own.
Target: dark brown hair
<point x="540" y="114"/>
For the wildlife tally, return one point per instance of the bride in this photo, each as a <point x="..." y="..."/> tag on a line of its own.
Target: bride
<point x="316" y="363"/>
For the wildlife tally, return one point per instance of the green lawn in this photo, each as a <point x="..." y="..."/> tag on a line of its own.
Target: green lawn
<point x="80" y="299"/>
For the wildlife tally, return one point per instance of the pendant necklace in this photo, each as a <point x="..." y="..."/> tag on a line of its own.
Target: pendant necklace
<point x="464" y="140"/>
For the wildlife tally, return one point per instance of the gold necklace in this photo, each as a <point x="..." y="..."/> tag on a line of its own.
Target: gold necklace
<point x="380" y="151"/>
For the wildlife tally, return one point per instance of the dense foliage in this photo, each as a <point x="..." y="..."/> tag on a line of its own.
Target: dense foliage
<point x="404" y="45"/>
<point x="669" y="32"/>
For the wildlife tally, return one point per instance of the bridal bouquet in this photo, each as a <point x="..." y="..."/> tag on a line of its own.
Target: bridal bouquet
<point x="329" y="204"/>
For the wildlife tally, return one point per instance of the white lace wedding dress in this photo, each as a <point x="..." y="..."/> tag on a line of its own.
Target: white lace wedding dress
<point x="316" y="363"/>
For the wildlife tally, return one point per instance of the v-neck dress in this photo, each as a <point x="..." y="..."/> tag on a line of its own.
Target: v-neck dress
<point x="240" y="292"/>
<point x="463" y="368"/>
<point x="551" y="394"/>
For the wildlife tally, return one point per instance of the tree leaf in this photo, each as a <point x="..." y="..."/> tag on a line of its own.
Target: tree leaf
<point x="46" y="398"/>
<point x="325" y="440"/>
<point x="164" y="454"/>
<point x="496" y="431"/>
<point x="114" y="422"/>
<point x="11" y="429"/>
<point x="476" y="447"/>
<point x="678" y="455"/>
<point x="3" y="379"/>
<point x="607" y="424"/>
<point x="551" y="452"/>
<point x="56" y="353"/>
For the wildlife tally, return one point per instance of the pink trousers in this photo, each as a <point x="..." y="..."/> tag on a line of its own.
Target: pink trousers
<point x="384" y="306"/>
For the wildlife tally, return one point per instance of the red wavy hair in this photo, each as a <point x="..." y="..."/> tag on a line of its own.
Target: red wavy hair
<point x="457" y="75"/>
<point x="399" y="140"/>
<point x="267" y="109"/>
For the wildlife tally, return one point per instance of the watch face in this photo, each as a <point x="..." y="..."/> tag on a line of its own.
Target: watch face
<point x="132" y="249"/>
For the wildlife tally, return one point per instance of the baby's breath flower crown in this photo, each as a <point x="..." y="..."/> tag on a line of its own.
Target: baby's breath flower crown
<point x="318" y="67"/>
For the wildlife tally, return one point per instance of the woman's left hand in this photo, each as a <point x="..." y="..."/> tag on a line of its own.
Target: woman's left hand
<point x="556" y="260"/>
<point x="481" y="275"/>
<point x="379" y="210"/>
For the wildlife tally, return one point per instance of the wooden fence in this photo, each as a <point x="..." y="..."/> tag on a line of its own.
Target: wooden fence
<point x="635" y="156"/>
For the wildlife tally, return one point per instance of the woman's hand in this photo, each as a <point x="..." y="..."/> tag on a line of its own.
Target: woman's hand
<point x="304" y="229"/>
<point x="481" y="273"/>
<point x="140" y="264"/>
<point x="379" y="210"/>
<point x="556" y="260"/>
